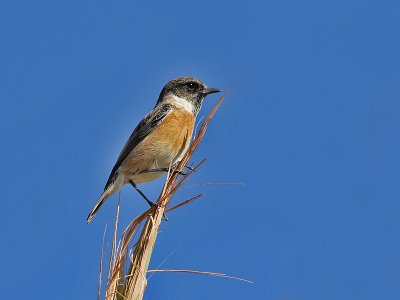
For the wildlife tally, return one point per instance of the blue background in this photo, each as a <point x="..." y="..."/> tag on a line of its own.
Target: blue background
<point x="311" y="126"/>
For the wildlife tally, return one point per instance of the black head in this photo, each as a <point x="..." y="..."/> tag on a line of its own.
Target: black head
<point x="187" y="89"/>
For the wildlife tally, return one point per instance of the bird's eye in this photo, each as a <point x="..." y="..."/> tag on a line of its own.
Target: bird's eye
<point x="191" y="86"/>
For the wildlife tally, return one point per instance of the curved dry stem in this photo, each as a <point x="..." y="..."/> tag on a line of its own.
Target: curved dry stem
<point x="200" y="273"/>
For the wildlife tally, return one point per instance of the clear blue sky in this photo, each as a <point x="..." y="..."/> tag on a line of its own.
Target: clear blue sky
<point x="311" y="126"/>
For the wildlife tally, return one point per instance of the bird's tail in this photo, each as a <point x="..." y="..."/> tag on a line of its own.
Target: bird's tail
<point x="107" y="193"/>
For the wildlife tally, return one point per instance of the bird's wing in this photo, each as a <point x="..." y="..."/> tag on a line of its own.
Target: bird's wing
<point x="144" y="128"/>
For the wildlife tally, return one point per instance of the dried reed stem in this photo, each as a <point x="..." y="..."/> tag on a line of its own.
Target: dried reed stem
<point x="130" y="283"/>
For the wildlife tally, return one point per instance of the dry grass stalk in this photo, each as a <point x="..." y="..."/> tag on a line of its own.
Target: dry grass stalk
<point x="127" y="269"/>
<point x="101" y="264"/>
<point x="201" y="273"/>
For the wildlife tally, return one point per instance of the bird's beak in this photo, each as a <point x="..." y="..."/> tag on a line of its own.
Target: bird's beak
<point x="209" y="91"/>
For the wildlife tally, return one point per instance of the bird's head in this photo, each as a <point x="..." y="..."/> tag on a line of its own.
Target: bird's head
<point x="186" y="92"/>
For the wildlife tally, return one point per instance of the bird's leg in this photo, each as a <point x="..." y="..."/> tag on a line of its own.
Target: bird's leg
<point x="191" y="170"/>
<point x="154" y="170"/>
<point x="151" y="203"/>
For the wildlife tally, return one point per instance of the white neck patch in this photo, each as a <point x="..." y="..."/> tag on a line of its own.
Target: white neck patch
<point x="182" y="103"/>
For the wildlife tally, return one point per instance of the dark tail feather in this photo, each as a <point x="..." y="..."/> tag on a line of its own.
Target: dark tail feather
<point x="107" y="193"/>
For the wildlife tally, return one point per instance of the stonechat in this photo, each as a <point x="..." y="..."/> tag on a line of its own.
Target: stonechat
<point x="160" y="140"/>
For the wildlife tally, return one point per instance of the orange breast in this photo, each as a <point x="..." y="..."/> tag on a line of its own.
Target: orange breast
<point x="164" y="146"/>
<point x="175" y="130"/>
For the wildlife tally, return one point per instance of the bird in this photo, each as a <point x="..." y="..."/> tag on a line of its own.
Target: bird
<point x="160" y="140"/>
